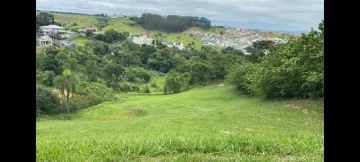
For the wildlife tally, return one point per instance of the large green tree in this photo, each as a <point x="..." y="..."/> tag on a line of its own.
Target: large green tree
<point x="66" y="83"/>
<point x="44" y="19"/>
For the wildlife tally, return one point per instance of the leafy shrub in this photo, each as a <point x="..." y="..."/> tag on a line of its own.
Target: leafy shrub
<point x="172" y="85"/>
<point x="47" y="78"/>
<point x="294" y="69"/>
<point x="46" y="101"/>
<point x="146" y="89"/>
<point x="137" y="74"/>
<point x="154" y="85"/>
<point x="78" y="102"/>
<point x="135" y="88"/>
<point x="125" y="87"/>
<point x="96" y="88"/>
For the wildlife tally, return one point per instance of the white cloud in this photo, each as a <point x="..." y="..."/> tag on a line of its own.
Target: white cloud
<point x="291" y="15"/>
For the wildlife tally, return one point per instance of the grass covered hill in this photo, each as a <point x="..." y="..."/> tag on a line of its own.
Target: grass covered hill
<point x="112" y="100"/>
<point x="214" y="124"/>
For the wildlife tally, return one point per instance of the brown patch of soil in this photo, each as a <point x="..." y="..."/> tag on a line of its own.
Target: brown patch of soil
<point x="305" y="111"/>
<point x="228" y="132"/>
<point x="297" y="104"/>
<point x="63" y="96"/>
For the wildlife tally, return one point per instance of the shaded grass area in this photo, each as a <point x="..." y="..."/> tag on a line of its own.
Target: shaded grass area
<point x="211" y="123"/>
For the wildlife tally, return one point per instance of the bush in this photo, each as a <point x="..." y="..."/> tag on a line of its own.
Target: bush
<point x="137" y="74"/>
<point x="172" y="85"/>
<point x="46" y="101"/>
<point x="96" y="88"/>
<point x="78" y="102"/>
<point x="89" y="33"/>
<point x="47" y="78"/>
<point x="146" y="89"/>
<point x="125" y="87"/>
<point x="135" y="88"/>
<point x="154" y="85"/>
<point x="291" y="70"/>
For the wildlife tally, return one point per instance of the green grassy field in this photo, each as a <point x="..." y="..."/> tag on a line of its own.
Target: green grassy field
<point x="122" y="25"/>
<point x="211" y="123"/>
<point x="81" y="41"/>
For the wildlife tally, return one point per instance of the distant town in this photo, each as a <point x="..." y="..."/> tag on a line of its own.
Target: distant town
<point x="238" y="38"/>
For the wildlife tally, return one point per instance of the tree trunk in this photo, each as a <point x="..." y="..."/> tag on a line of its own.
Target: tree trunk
<point x="67" y="101"/>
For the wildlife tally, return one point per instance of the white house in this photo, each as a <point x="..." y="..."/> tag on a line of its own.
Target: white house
<point x="45" y="41"/>
<point x="176" y="45"/>
<point x="50" y="28"/>
<point x="143" y="39"/>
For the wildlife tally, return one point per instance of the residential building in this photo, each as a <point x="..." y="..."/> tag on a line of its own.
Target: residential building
<point x="45" y="41"/>
<point x="141" y="39"/>
<point x="50" y="28"/>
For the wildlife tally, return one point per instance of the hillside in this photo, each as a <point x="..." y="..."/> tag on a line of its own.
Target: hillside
<point x="126" y="25"/>
<point x="68" y="19"/>
<point x="123" y="25"/>
<point x="214" y="124"/>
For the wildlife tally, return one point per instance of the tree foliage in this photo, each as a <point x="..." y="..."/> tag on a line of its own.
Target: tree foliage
<point x="171" y="23"/>
<point x="44" y="19"/>
<point x="294" y="69"/>
<point x="66" y="83"/>
<point x="111" y="36"/>
<point x="46" y="101"/>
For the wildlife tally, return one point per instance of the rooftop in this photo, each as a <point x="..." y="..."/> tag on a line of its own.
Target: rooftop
<point x="45" y="38"/>
<point x="52" y="27"/>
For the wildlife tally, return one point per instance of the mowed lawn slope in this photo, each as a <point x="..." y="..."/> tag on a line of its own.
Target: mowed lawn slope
<point x="211" y="123"/>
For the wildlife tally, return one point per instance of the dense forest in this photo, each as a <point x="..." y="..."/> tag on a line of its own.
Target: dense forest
<point x="172" y="23"/>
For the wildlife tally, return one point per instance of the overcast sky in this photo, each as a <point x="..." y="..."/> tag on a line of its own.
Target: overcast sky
<point x="283" y="15"/>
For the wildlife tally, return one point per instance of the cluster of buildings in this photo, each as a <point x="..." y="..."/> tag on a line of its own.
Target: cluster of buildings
<point x="174" y="45"/>
<point x="238" y="38"/>
<point x="55" y="35"/>
<point x="141" y="39"/>
<point x="47" y="34"/>
<point x="144" y="39"/>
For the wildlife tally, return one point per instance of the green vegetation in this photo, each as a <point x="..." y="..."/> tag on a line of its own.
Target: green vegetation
<point x="124" y="68"/>
<point x="81" y="41"/>
<point x="215" y="123"/>
<point x="111" y="36"/>
<point x="81" y="21"/>
<point x="294" y="69"/>
<point x="112" y="100"/>
<point x="171" y="23"/>
<point x="43" y="19"/>
<point x="66" y="83"/>
<point x="126" y="25"/>
<point x="123" y="25"/>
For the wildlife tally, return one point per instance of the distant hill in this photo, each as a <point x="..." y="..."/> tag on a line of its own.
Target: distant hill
<point x="76" y="20"/>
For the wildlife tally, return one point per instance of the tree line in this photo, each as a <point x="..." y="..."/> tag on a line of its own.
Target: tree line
<point x="171" y="23"/>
